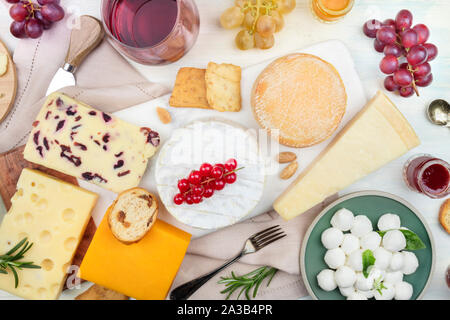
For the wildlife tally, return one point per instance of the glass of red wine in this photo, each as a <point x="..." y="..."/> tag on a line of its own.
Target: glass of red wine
<point x="152" y="32"/>
<point x="428" y="175"/>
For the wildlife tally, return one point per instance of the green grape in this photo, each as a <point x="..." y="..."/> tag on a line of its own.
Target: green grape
<point x="279" y="20"/>
<point x="286" y="6"/>
<point x="248" y="21"/>
<point x="264" y="42"/>
<point x="232" y="18"/>
<point x="265" y="25"/>
<point x="245" y="40"/>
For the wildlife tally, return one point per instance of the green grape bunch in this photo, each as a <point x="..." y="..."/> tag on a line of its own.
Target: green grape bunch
<point x="259" y="20"/>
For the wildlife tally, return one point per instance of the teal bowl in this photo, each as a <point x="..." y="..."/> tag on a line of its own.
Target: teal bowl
<point x="373" y="204"/>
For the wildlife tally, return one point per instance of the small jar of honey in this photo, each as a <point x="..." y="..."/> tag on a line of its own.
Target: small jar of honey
<point x="331" y="10"/>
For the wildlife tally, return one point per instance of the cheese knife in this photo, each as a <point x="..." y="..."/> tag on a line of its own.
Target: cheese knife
<point x="83" y="40"/>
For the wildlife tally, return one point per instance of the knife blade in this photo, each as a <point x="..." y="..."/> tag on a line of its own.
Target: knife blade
<point x="83" y="41"/>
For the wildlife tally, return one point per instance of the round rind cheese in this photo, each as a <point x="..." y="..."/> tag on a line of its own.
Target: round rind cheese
<point x="301" y="95"/>
<point x="211" y="141"/>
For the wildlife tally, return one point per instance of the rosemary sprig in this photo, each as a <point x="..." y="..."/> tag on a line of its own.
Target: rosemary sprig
<point x="11" y="260"/>
<point x="247" y="282"/>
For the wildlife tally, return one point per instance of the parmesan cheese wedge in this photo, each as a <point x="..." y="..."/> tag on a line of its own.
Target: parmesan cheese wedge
<point x="374" y="137"/>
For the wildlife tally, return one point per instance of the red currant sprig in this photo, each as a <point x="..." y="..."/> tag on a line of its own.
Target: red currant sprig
<point x="204" y="182"/>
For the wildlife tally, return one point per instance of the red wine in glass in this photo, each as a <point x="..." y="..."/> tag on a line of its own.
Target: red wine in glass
<point x="152" y="31"/>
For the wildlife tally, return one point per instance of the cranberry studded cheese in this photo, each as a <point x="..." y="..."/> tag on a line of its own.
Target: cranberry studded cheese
<point x="80" y="141"/>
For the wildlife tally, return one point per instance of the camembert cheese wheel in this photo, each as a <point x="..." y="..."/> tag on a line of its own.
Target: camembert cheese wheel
<point x="214" y="142"/>
<point x="301" y="95"/>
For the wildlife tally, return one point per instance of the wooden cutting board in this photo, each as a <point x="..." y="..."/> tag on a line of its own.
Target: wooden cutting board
<point x="8" y="85"/>
<point x="11" y="165"/>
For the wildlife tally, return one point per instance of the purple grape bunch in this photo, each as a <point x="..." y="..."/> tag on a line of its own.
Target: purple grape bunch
<point x="400" y="41"/>
<point x="31" y="19"/>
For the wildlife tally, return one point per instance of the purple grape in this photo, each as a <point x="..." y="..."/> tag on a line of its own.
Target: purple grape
<point x="378" y="45"/>
<point x="371" y="27"/>
<point x="386" y="35"/>
<point x="45" y="23"/>
<point x="389" y="23"/>
<point x="52" y="12"/>
<point x="424" y="81"/>
<point x="17" y="29"/>
<point x="422" y="70"/>
<point x="43" y="2"/>
<point x="403" y="77"/>
<point x="390" y="84"/>
<point x="389" y="64"/>
<point x="422" y="33"/>
<point x="432" y="51"/>
<point x="409" y="38"/>
<point x="417" y="55"/>
<point x="18" y="12"/>
<point x="403" y="20"/>
<point x="34" y="28"/>
<point x="406" y="91"/>
<point x="393" y="49"/>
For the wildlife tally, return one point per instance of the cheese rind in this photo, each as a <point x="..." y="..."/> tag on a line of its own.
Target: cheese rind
<point x="143" y="270"/>
<point x="53" y="215"/>
<point x="80" y="141"/>
<point x="376" y="136"/>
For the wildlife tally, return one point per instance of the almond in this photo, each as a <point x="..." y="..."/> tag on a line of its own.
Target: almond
<point x="289" y="170"/>
<point x="163" y="115"/>
<point x="285" y="157"/>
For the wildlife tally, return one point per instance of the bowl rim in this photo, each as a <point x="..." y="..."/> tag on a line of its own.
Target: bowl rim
<point x="360" y="194"/>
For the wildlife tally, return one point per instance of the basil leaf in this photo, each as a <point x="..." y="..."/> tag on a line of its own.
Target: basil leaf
<point x="413" y="242"/>
<point x="368" y="260"/>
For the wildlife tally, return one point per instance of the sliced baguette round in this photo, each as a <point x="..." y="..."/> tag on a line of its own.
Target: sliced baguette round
<point x="444" y="215"/>
<point x="132" y="215"/>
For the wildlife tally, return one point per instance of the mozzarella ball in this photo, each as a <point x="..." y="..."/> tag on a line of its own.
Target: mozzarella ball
<point x="370" y="241"/>
<point x="356" y="296"/>
<point x="345" y="277"/>
<point x="368" y="294"/>
<point x="382" y="258"/>
<point x="326" y="280"/>
<point x="361" y="226"/>
<point x="387" y="293"/>
<point x="362" y="283"/>
<point x="410" y="262"/>
<point x="350" y="243"/>
<point x="332" y="238"/>
<point x="388" y="221"/>
<point x="394" y="240"/>
<point x="354" y="260"/>
<point x="396" y="261"/>
<point x="393" y="277"/>
<point x="346" y="291"/>
<point x="342" y="219"/>
<point x="403" y="291"/>
<point x="335" y="258"/>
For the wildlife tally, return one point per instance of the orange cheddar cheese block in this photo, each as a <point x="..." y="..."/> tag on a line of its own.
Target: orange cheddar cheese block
<point x="143" y="270"/>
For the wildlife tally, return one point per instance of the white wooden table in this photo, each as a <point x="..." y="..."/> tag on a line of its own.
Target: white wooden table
<point x="301" y="30"/>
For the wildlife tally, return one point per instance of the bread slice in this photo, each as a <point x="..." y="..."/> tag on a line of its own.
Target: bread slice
<point x="444" y="215"/>
<point x="97" y="292"/>
<point x="132" y="215"/>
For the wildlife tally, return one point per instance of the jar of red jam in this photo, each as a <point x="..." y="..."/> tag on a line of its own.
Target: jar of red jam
<point x="429" y="175"/>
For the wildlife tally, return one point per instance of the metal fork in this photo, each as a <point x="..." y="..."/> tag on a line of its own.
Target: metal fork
<point x="254" y="243"/>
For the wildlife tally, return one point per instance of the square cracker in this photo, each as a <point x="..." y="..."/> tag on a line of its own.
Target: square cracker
<point x="223" y="86"/>
<point x="190" y="89"/>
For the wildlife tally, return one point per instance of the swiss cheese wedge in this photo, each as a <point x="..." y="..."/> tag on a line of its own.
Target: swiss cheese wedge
<point x="374" y="137"/>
